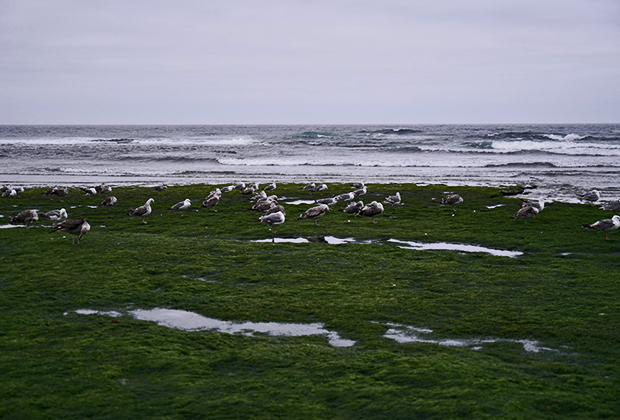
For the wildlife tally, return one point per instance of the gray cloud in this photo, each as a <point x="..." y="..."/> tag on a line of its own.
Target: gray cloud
<point x="244" y="61"/>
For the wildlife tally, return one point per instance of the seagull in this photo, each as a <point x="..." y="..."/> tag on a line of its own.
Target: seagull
<point x="591" y="196"/>
<point x="525" y="212"/>
<point x="109" y="201"/>
<point x="25" y="217"/>
<point x="160" y="187"/>
<point x="142" y="211"/>
<point x="361" y="191"/>
<point x="216" y="191"/>
<point x="270" y="187"/>
<point x="265" y="204"/>
<point x="353" y="207"/>
<point x="330" y="201"/>
<point x="309" y="187"/>
<point x="358" y="185"/>
<point x="211" y="201"/>
<point x="315" y="213"/>
<point x="259" y="196"/>
<point x="393" y="199"/>
<point x="272" y="219"/>
<point x="61" y="192"/>
<point x="345" y="197"/>
<point x="613" y="206"/>
<point x="451" y="200"/>
<point x="9" y="192"/>
<point x="183" y="205"/>
<point x="77" y="227"/>
<point x="228" y="189"/>
<point x="540" y="204"/>
<point x="55" y="216"/>
<point x="606" y="225"/>
<point x="240" y="186"/>
<point x="320" y="188"/>
<point x="372" y="209"/>
<point x="89" y="190"/>
<point x="103" y="189"/>
<point x="275" y="209"/>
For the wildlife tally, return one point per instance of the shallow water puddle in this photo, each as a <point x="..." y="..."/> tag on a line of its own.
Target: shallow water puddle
<point x="442" y="246"/>
<point x="189" y="321"/>
<point x="407" y="334"/>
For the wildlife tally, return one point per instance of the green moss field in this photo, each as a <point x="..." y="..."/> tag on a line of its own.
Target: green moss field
<point x="432" y="334"/>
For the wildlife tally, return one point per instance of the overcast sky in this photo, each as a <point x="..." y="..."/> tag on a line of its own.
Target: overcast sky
<point x="309" y="61"/>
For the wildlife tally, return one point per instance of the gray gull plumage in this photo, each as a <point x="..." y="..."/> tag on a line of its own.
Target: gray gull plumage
<point x="77" y="227"/>
<point x="142" y="211"/>
<point x="605" y="225"/>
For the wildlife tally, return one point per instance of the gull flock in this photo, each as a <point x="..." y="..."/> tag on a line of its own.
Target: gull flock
<point x="273" y="213"/>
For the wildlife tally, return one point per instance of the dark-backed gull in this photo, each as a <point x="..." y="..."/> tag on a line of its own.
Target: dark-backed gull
<point x="270" y="187"/>
<point x="142" y="211"/>
<point x="315" y="212"/>
<point x="330" y="201"/>
<point x="605" y="225"/>
<point x="211" y="201"/>
<point x="591" y="196"/>
<point x="525" y="212"/>
<point x="77" y="227"/>
<point x="540" y="204"/>
<point x="160" y="187"/>
<point x="25" y="217"/>
<point x="613" y="206"/>
<point x="372" y="209"/>
<point x="183" y="205"/>
<point x="361" y="191"/>
<point x="321" y="187"/>
<point x="348" y="196"/>
<point x="309" y="187"/>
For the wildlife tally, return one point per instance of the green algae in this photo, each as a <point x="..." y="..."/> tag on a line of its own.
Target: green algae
<point x="563" y="292"/>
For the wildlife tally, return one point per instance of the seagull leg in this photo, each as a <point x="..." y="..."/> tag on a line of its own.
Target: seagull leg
<point x="607" y="236"/>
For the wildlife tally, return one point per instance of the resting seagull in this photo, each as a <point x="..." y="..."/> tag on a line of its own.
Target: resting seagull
<point x="606" y="225"/>
<point x="309" y="187"/>
<point x="77" y="227"/>
<point x="591" y="196"/>
<point x="25" y="217"/>
<point x="345" y="197"/>
<point x="142" y="211"/>
<point x="55" y="216"/>
<point x="354" y="207"/>
<point x="525" y="212"/>
<point x="272" y="219"/>
<point x="108" y="202"/>
<point x="613" y="206"/>
<point x="315" y="213"/>
<point x="270" y="187"/>
<point x="372" y="209"/>
<point x="393" y="199"/>
<point x="183" y="205"/>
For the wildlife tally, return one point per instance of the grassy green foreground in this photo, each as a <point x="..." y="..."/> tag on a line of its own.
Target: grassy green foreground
<point x="563" y="292"/>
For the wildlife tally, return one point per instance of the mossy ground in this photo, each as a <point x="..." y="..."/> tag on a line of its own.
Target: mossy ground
<point x="563" y="292"/>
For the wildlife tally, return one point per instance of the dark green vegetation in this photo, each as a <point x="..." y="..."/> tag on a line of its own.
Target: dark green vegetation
<point x="55" y="363"/>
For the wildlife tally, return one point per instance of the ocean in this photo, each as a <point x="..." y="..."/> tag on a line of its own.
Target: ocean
<point x="561" y="161"/>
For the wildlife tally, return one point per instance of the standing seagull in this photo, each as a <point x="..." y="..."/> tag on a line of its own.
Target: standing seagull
<point x="55" y="216"/>
<point x="540" y="204"/>
<point x="372" y="209"/>
<point x="211" y="201"/>
<point x="25" y="217"/>
<point x="272" y="219"/>
<point x="183" y="205"/>
<point x="270" y="187"/>
<point x="606" y="225"/>
<point x="142" y="211"/>
<point x="525" y="212"/>
<point x="393" y="199"/>
<point x="315" y="212"/>
<point x="353" y="207"/>
<point x="451" y="200"/>
<point x="77" y="227"/>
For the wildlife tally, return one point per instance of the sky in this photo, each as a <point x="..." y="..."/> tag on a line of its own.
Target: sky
<point x="309" y="61"/>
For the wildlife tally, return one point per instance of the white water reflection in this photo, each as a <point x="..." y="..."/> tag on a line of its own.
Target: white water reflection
<point x="407" y="334"/>
<point x="443" y="246"/>
<point x="189" y="321"/>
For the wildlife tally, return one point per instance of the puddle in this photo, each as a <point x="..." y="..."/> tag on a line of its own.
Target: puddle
<point x="441" y="246"/>
<point x="10" y="226"/>
<point x="298" y="202"/>
<point x="494" y="207"/>
<point x="405" y="334"/>
<point x="189" y="321"/>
